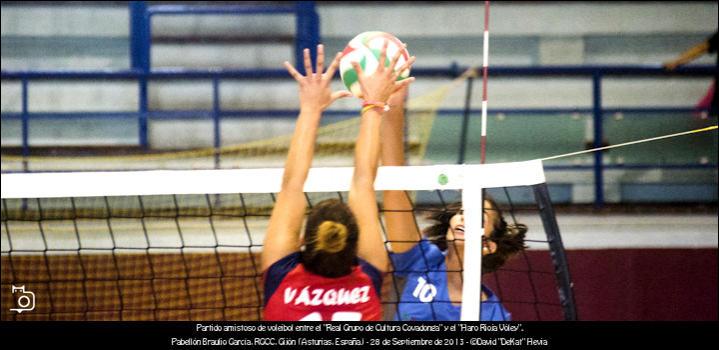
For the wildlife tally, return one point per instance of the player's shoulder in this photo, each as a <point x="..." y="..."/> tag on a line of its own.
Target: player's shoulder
<point x="430" y="251"/>
<point x="424" y="254"/>
<point x="284" y="265"/>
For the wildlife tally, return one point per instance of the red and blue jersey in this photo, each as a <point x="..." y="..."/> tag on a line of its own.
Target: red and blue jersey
<point x="294" y="294"/>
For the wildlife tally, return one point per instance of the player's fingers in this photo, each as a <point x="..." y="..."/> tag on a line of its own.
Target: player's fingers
<point x="293" y="72"/>
<point x="383" y="56"/>
<point x="308" y="62"/>
<point x="395" y="59"/>
<point x="339" y="94"/>
<point x="406" y="65"/>
<point x="398" y="85"/>
<point x="333" y="66"/>
<point x="358" y="69"/>
<point x="320" y="59"/>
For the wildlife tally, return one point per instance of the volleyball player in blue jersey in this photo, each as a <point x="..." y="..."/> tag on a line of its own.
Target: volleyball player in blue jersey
<point x="432" y="262"/>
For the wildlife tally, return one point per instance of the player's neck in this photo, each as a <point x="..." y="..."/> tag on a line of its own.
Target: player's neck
<point x="453" y="261"/>
<point x="454" y="258"/>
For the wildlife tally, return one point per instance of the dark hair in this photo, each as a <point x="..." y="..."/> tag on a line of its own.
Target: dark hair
<point x="509" y="238"/>
<point x="331" y="237"/>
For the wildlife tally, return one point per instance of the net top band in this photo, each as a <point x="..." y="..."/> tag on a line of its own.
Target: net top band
<point x="331" y="179"/>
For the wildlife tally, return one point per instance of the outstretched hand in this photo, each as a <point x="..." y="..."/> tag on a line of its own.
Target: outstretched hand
<point x="383" y="82"/>
<point x="315" y="91"/>
<point x="399" y="96"/>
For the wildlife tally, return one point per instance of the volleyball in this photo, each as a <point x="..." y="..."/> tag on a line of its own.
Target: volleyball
<point x="366" y="48"/>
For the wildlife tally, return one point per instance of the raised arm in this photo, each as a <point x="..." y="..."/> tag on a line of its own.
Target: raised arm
<point x="402" y="230"/>
<point x="376" y="88"/>
<point x="283" y="232"/>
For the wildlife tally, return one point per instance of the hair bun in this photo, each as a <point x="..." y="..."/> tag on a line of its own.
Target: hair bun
<point x="331" y="237"/>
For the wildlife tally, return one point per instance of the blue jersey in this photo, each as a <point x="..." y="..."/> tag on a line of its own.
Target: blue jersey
<point x="425" y="296"/>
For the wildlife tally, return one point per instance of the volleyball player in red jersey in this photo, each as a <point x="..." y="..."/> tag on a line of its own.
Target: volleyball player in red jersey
<point x="338" y="273"/>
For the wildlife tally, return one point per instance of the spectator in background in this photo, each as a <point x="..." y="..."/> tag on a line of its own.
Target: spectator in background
<point x="707" y="46"/>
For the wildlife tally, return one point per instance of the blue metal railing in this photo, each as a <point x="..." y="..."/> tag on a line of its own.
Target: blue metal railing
<point x="598" y="138"/>
<point x="307" y="23"/>
<point x="307" y="35"/>
<point x="596" y="73"/>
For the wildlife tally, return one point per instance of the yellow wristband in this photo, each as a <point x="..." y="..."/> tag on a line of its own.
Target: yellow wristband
<point x="367" y="106"/>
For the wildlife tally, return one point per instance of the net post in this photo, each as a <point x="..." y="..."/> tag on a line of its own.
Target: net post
<point x="472" y="269"/>
<point x="473" y="205"/>
<point x="556" y="251"/>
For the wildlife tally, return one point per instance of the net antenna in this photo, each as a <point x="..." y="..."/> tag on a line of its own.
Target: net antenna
<point x="485" y="67"/>
<point x="472" y="202"/>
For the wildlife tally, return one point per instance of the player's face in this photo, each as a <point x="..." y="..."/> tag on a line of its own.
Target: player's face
<point x="455" y="232"/>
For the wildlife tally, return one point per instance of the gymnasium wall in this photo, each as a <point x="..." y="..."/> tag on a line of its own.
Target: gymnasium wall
<point x="522" y="34"/>
<point x="630" y="277"/>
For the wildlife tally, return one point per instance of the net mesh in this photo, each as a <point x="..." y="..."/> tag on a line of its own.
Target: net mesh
<point x="196" y="257"/>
